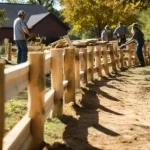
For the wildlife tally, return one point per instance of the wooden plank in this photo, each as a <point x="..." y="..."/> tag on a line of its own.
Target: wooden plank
<point x="31" y="48"/>
<point x="105" y="60"/>
<point x="65" y="84"/>
<point x="9" y="51"/>
<point x="36" y="95"/>
<point x="26" y="143"/>
<point x="113" y="63"/>
<point x="49" y="99"/>
<point x="57" y="75"/>
<point x="129" y="55"/>
<point x="49" y="102"/>
<point x="81" y="55"/>
<point x="67" y="39"/>
<point x="121" y="58"/>
<point x="84" y="64"/>
<point x="47" y="63"/>
<point x="77" y="68"/>
<point x="81" y="59"/>
<point x="16" y="137"/>
<point x="98" y="60"/>
<point x="16" y="79"/>
<point x="69" y="74"/>
<point x="90" y="63"/>
<point x="81" y="76"/>
<point x="2" y="101"/>
<point x="95" y="69"/>
<point x="115" y="48"/>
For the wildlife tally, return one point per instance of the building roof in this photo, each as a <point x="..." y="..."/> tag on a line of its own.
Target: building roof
<point x="12" y="11"/>
<point x="34" y="19"/>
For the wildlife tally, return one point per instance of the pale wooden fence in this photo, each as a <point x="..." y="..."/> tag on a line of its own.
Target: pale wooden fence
<point x="70" y="68"/>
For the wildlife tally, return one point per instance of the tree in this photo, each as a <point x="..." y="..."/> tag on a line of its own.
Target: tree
<point x="95" y="14"/>
<point x="145" y="23"/>
<point x="47" y="4"/>
<point x="138" y="4"/>
<point x="3" y="18"/>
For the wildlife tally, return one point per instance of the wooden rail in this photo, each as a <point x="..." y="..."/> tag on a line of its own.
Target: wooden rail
<point x="70" y="68"/>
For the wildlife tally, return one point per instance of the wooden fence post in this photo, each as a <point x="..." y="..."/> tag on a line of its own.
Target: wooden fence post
<point x="36" y="94"/>
<point x="144" y="54"/>
<point x="133" y="47"/>
<point x="121" y="58"/>
<point x="90" y="63"/>
<point x="9" y="51"/>
<point x="57" y="81"/>
<point x="113" y="62"/>
<point x="69" y="74"/>
<point x="2" y="101"/>
<point x="115" y="48"/>
<point x="98" y="60"/>
<point x="84" y="64"/>
<point x="77" y="70"/>
<point x="105" y="60"/>
<point x="130" y="55"/>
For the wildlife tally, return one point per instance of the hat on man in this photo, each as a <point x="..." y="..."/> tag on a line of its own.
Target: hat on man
<point x="21" y="13"/>
<point x="134" y="25"/>
<point x="120" y="23"/>
<point x="106" y="27"/>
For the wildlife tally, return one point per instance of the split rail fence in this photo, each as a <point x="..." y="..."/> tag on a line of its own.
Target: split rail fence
<point x="70" y="68"/>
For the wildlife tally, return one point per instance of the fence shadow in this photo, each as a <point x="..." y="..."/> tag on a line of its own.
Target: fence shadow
<point x="76" y="134"/>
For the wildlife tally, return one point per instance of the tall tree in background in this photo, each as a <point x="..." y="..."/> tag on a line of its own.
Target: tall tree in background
<point x="145" y="23"/>
<point x="47" y="4"/>
<point x="138" y="4"/>
<point x="95" y="14"/>
<point x="3" y="18"/>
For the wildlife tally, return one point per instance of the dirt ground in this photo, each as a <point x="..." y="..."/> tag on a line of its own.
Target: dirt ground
<point x="111" y="114"/>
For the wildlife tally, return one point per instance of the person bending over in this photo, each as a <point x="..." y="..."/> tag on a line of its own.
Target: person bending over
<point x="138" y="36"/>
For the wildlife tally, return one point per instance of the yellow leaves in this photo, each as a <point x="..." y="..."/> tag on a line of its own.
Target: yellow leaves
<point x="89" y="13"/>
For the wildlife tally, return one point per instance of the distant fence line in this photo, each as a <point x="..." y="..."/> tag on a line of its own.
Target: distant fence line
<point x="70" y="68"/>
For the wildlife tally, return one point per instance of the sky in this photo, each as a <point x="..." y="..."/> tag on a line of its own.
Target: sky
<point x="57" y="6"/>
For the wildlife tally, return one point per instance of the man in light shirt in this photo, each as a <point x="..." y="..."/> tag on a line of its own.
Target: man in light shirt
<point x="104" y="34"/>
<point x="121" y="32"/>
<point x="19" y="30"/>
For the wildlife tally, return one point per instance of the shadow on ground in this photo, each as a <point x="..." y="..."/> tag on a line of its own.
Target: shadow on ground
<point x="86" y="110"/>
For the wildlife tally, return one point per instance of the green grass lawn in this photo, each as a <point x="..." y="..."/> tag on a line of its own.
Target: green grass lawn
<point x="15" y="109"/>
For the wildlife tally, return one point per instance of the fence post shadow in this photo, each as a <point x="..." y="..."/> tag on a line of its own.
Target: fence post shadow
<point x="85" y="120"/>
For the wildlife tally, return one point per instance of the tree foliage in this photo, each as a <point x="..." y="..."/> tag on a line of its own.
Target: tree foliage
<point x="3" y="18"/>
<point x="138" y="4"/>
<point x="145" y="23"/>
<point x="95" y="14"/>
<point x="48" y="4"/>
